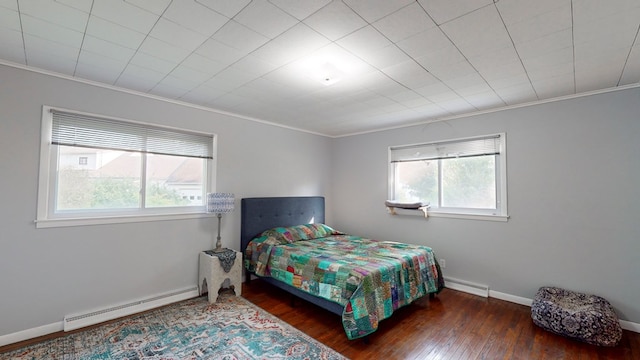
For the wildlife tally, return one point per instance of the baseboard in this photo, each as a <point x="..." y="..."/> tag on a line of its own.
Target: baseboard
<point x="510" y="298"/>
<point x="466" y="286"/>
<point x="631" y="326"/>
<point x="626" y="325"/>
<point x="76" y="321"/>
<point x="30" y="333"/>
<point x="80" y="320"/>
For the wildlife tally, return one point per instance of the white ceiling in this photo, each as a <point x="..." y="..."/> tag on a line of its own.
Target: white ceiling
<point x="399" y="62"/>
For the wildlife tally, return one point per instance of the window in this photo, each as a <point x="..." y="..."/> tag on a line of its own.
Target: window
<point x="96" y="170"/>
<point x="459" y="178"/>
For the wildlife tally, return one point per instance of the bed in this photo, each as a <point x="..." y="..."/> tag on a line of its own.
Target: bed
<point x="286" y="243"/>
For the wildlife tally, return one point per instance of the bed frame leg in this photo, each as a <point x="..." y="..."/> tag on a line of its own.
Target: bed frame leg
<point x="432" y="295"/>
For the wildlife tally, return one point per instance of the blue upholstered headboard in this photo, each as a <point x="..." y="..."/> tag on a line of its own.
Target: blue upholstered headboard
<point x="259" y="214"/>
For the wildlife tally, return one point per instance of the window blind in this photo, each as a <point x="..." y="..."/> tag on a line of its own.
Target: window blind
<point x="486" y="145"/>
<point x="87" y="131"/>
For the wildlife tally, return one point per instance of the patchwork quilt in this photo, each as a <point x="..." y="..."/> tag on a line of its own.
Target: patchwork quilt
<point x="370" y="278"/>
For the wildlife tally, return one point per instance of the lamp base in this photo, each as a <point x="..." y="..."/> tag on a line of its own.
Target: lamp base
<point x="220" y="250"/>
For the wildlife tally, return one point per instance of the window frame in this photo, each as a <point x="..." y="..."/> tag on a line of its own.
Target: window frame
<point x="46" y="216"/>
<point x="499" y="214"/>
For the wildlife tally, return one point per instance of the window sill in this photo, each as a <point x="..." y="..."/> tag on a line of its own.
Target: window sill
<point x="65" y="222"/>
<point x="435" y="214"/>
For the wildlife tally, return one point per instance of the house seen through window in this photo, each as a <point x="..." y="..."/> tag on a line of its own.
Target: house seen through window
<point x="101" y="167"/>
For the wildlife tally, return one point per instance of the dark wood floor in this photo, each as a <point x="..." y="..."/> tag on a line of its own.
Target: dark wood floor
<point x="454" y="325"/>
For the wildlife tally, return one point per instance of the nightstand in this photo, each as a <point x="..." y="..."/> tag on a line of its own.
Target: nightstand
<point x="212" y="274"/>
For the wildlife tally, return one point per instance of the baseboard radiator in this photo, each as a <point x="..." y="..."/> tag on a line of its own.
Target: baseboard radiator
<point x="467" y="286"/>
<point x="76" y="321"/>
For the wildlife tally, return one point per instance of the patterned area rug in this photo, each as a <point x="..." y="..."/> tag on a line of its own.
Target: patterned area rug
<point x="232" y="328"/>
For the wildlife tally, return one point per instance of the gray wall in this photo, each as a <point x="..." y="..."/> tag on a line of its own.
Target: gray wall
<point x="48" y="273"/>
<point x="573" y="170"/>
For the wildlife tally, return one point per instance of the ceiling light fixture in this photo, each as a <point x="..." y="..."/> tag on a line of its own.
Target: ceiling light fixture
<point x="329" y="74"/>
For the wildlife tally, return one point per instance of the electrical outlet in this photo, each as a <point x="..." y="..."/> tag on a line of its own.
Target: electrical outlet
<point x="443" y="263"/>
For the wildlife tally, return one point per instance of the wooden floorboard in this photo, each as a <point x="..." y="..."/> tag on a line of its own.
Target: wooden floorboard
<point x="454" y="325"/>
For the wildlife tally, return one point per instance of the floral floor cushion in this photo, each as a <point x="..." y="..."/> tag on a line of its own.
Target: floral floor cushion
<point x="583" y="317"/>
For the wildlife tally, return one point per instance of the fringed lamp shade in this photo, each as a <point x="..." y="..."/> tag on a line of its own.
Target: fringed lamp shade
<point x="218" y="203"/>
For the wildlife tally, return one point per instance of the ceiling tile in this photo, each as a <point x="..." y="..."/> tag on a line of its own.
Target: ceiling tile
<point x="456" y="106"/>
<point x="177" y="35"/>
<point x="56" y="13"/>
<point x="51" y="31"/>
<point x="82" y="5"/>
<point x="555" y="86"/>
<point x="258" y="59"/>
<point x="335" y="21"/>
<point x="42" y="52"/>
<point x="153" y="63"/>
<point x="254" y="66"/>
<point x="300" y="9"/>
<point x="295" y="43"/>
<point x="478" y="33"/>
<point x="470" y="87"/>
<point x="514" y="79"/>
<point x="114" y="33"/>
<point x="469" y="83"/>
<point x="203" y="64"/>
<point x="384" y="57"/>
<point x="432" y="43"/>
<point x="433" y="89"/>
<point x="169" y="91"/>
<point x="550" y="71"/>
<point x="171" y="82"/>
<point x="9" y="4"/>
<point x="364" y="42"/>
<point x="143" y="77"/>
<point x="444" y="10"/>
<point x="240" y="37"/>
<point x="546" y="44"/>
<point x="124" y="14"/>
<point x="612" y="31"/>
<point x="549" y="60"/>
<point x="96" y="67"/>
<point x="445" y="72"/>
<point x="520" y="93"/>
<point x="9" y="19"/>
<point x="233" y="78"/>
<point x="589" y="10"/>
<point x="265" y="18"/>
<point x="219" y="52"/>
<point x="484" y="100"/>
<point x="163" y="50"/>
<point x="154" y="6"/>
<point x="410" y="74"/>
<point x="404" y="23"/>
<point x="195" y="16"/>
<point x="12" y="48"/>
<point x="557" y="19"/>
<point x="631" y="72"/>
<point x="228" y="8"/>
<point x="495" y="59"/>
<point x="373" y="10"/>
<point x="107" y="49"/>
<point x="515" y="11"/>
<point x="202" y="94"/>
